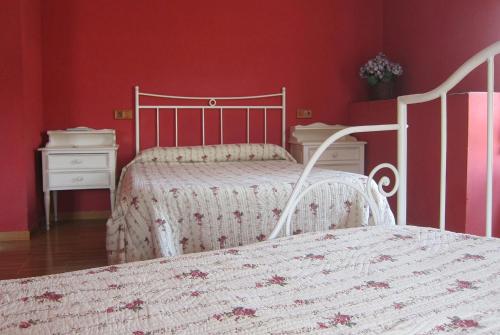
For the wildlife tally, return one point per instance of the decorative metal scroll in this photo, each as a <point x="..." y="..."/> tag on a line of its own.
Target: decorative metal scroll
<point x="367" y="192"/>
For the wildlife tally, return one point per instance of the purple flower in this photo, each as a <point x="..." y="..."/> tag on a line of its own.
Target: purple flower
<point x="380" y="69"/>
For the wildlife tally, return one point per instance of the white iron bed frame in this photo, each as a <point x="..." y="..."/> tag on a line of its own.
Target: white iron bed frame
<point x="211" y="104"/>
<point x="400" y="173"/>
<point x="400" y="176"/>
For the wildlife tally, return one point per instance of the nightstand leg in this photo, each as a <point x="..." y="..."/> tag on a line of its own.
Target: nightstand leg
<point x="112" y="199"/>
<point x="54" y="196"/>
<point x="47" y="209"/>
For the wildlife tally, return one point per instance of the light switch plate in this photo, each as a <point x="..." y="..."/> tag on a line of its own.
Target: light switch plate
<point x="304" y="113"/>
<point x="123" y="114"/>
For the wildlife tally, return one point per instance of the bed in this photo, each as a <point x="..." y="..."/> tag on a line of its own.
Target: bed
<point x="185" y="199"/>
<point x="172" y="201"/>
<point x="382" y="279"/>
<point x="369" y="280"/>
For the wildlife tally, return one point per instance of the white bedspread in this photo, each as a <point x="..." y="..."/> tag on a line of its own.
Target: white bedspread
<point x="191" y="199"/>
<point x="371" y="280"/>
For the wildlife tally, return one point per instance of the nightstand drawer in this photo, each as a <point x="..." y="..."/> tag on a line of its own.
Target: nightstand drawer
<point x="78" y="161"/>
<point x="79" y="179"/>
<point x="339" y="154"/>
<point x="347" y="167"/>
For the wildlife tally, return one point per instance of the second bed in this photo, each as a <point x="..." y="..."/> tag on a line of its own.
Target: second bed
<point x="190" y="199"/>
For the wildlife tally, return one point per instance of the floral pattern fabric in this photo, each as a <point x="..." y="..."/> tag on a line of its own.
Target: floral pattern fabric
<point x="167" y="205"/>
<point x="215" y="153"/>
<point x="363" y="281"/>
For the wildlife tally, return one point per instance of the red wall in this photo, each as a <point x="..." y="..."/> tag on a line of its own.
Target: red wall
<point x="432" y="38"/>
<point x="21" y="96"/>
<point x="96" y="51"/>
<point x="33" y="126"/>
<point x="12" y="171"/>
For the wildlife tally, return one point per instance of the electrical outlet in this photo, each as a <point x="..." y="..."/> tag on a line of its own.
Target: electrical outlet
<point x="123" y="114"/>
<point x="304" y="113"/>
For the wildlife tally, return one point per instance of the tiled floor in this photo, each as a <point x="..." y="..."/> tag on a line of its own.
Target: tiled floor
<point x="69" y="246"/>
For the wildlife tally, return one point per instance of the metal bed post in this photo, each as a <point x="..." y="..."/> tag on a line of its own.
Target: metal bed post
<point x="157" y="127"/>
<point x="444" y="145"/>
<point x="248" y="125"/>
<point x="402" y="162"/>
<point x="203" y="125"/>
<point x="489" y="154"/>
<point x="221" y="126"/>
<point x="283" y="117"/>
<point x="137" y="128"/>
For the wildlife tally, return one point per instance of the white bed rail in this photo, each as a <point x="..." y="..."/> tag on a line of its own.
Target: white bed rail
<point x="400" y="174"/>
<point x="487" y="55"/>
<point x="211" y="103"/>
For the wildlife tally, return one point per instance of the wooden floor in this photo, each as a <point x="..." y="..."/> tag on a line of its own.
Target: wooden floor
<point x="69" y="246"/>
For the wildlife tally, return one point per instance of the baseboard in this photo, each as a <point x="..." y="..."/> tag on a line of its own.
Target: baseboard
<point x="22" y="235"/>
<point x="87" y="215"/>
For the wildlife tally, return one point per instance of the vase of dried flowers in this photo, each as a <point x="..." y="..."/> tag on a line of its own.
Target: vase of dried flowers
<point x="380" y="74"/>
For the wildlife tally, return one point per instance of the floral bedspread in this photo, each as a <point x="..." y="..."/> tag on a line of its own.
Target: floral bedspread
<point x="367" y="280"/>
<point x="172" y="201"/>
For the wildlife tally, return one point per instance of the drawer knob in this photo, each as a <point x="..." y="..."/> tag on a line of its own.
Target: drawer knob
<point x="76" y="161"/>
<point x="335" y="155"/>
<point x="77" y="179"/>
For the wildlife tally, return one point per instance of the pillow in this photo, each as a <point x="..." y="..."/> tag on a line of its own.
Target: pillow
<point x="215" y="153"/>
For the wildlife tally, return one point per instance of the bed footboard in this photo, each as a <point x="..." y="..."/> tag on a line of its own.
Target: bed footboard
<point x="400" y="182"/>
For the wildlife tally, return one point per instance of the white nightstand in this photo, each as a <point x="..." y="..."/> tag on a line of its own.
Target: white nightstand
<point x="78" y="160"/>
<point x="347" y="154"/>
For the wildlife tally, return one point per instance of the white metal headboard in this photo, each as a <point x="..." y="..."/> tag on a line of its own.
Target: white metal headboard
<point x="211" y="104"/>
<point x="400" y="174"/>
